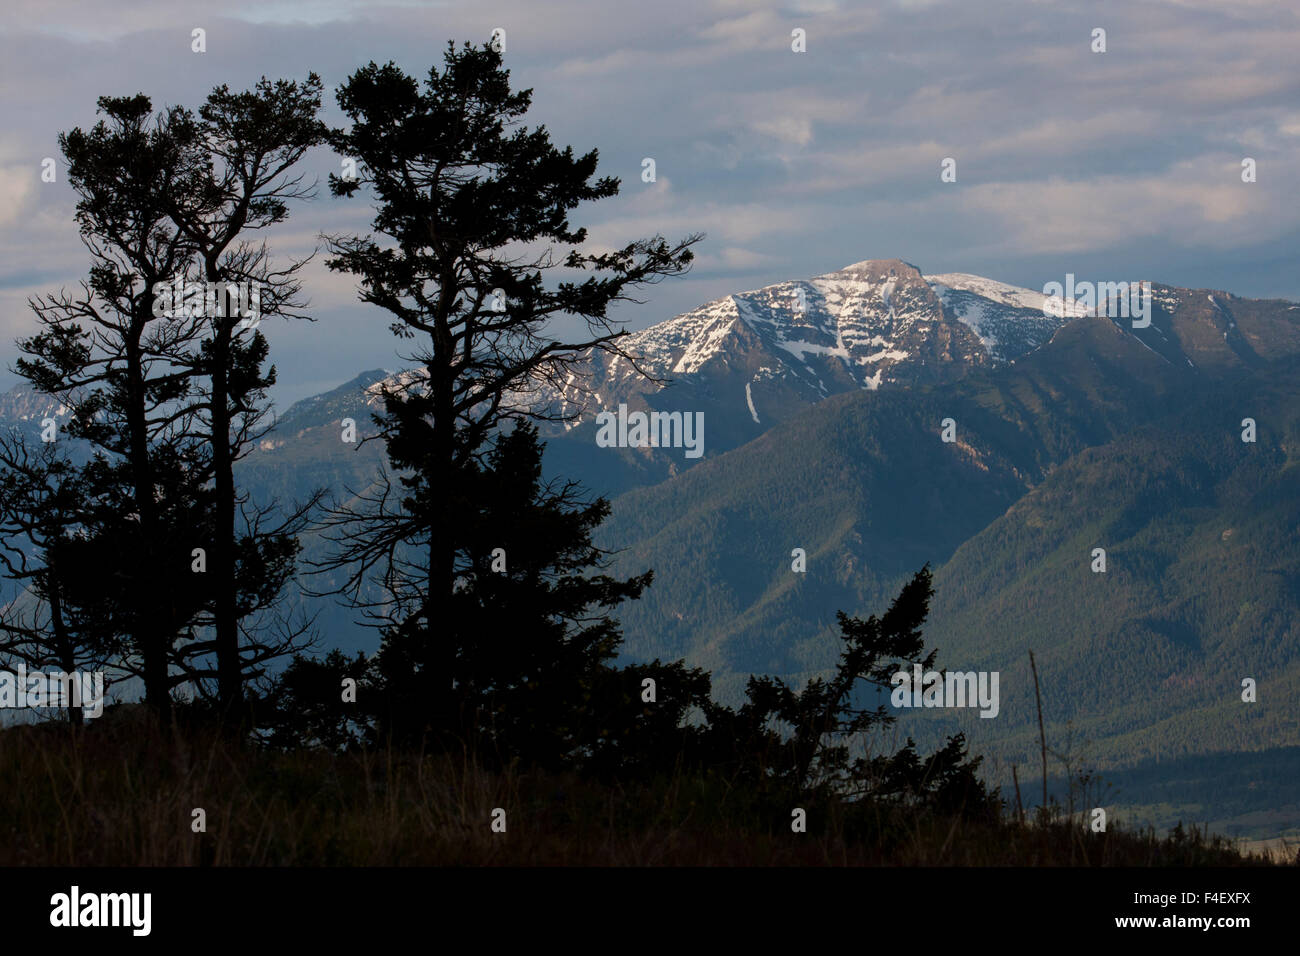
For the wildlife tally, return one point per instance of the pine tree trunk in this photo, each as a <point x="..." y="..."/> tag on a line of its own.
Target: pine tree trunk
<point x="229" y="672"/>
<point x="149" y="633"/>
<point x="442" y="547"/>
<point x="61" y="641"/>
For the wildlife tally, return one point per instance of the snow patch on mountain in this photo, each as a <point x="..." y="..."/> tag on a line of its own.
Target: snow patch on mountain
<point x="994" y="291"/>
<point x="703" y="333"/>
<point x="749" y="400"/>
<point x="886" y="291"/>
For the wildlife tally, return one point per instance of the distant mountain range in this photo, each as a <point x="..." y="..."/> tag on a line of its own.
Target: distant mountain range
<point x="788" y="345"/>
<point x="754" y="359"/>
<point x="824" y="400"/>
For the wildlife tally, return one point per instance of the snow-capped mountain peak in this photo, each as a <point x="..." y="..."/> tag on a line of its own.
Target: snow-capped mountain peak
<point x="755" y="358"/>
<point x="871" y="324"/>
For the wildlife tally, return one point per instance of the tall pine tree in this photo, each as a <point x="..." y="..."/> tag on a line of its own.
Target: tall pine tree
<point x="472" y="257"/>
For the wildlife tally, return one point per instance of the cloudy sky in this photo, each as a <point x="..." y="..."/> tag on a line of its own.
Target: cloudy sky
<point x="1114" y="166"/>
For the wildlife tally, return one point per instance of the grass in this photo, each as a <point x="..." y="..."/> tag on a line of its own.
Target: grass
<point x="121" y="791"/>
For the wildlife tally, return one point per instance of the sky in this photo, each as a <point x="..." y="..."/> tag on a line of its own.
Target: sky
<point x="1114" y="166"/>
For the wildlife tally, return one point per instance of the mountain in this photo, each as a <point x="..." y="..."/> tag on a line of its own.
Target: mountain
<point x="1142" y="665"/>
<point x="754" y="359"/>
<point x="356" y="399"/>
<point x="825" y="403"/>
<point x="1201" y="587"/>
<point x="865" y="485"/>
<point x="1009" y="321"/>
<point x="1218" y="332"/>
<point x="746" y="362"/>
<point x="23" y="409"/>
<point x="785" y="346"/>
<point x="305" y="449"/>
<point x="1108" y="436"/>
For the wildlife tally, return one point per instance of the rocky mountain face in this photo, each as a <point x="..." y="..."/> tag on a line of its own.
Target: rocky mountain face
<point x="23" y="409"/>
<point x="1216" y="331"/>
<point x="863" y="479"/>
<point x="755" y="359"/>
<point x="872" y="324"/>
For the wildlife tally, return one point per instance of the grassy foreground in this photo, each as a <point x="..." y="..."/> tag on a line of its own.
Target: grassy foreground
<point x="123" y="792"/>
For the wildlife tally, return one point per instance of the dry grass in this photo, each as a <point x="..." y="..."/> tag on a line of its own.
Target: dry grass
<point x="122" y="792"/>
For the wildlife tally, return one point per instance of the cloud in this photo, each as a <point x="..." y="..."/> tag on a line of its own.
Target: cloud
<point x="792" y="163"/>
<point x="17" y="189"/>
<point x="1201" y="203"/>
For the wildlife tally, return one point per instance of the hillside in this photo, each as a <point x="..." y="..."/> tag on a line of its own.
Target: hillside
<point x="865" y="485"/>
<point x="1201" y="588"/>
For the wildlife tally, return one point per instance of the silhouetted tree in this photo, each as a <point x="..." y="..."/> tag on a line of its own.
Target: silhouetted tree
<point x="790" y="741"/>
<point x="527" y="626"/>
<point x="55" y="619"/>
<point x="103" y="354"/>
<point x="471" y="226"/>
<point x="242" y="151"/>
<point x="532" y="645"/>
<point x="165" y="380"/>
<point x="305" y="706"/>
